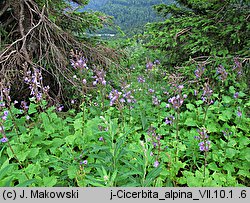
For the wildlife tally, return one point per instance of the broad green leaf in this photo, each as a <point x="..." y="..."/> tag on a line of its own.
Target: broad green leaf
<point x="72" y="171"/>
<point x="49" y="181"/>
<point x="26" y="183"/>
<point x="190" y="122"/>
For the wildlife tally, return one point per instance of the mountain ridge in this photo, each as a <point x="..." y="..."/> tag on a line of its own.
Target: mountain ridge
<point x="130" y="15"/>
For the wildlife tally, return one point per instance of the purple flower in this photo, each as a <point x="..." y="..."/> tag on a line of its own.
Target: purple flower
<point x="114" y="96"/>
<point x="4" y="139"/>
<point x="195" y="92"/>
<point x="203" y="133"/>
<point x="24" y="105"/>
<point x="140" y="79"/>
<point x="169" y="120"/>
<point x="236" y="95"/>
<point x="101" y="139"/>
<point x="204" y="146"/>
<point x="122" y="100"/>
<point x="80" y="63"/>
<point x="176" y="101"/>
<point x="60" y="108"/>
<point x="84" y="81"/>
<point x="149" y="65"/>
<point x="104" y="82"/>
<point x="156" y="101"/>
<point x="151" y="90"/>
<point x="85" y="162"/>
<point x="199" y="71"/>
<point x="223" y="74"/>
<point x="181" y="87"/>
<point x="156" y="164"/>
<point x="239" y="113"/>
<point x="157" y="62"/>
<point x="5" y="115"/>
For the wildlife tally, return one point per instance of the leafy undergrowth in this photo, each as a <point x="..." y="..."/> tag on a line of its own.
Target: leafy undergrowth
<point x="144" y="126"/>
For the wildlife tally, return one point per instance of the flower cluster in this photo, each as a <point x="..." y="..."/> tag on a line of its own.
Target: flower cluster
<point x="121" y="97"/>
<point x="156" y="142"/>
<point x="199" y="71"/>
<point x="169" y="120"/>
<point x="236" y="95"/>
<point x="149" y="65"/>
<point x="24" y="105"/>
<point x="4" y="96"/>
<point x="59" y="108"/>
<point x="207" y="94"/>
<point x="4" y="139"/>
<point x="223" y="74"/>
<point x="238" y="66"/>
<point x="151" y="90"/>
<point x="114" y="97"/>
<point x="4" y="116"/>
<point x="204" y="145"/>
<point x="239" y="113"/>
<point x="176" y="101"/>
<point x="156" y="101"/>
<point x="34" y="80"/>
<point x="99" y="77"/>
<point x="78" y="61"/>
<point x="141" y="79"/>
<point x="81" y="161"/>
<point x="127" y="97"/>
<point x="157" y="62"/>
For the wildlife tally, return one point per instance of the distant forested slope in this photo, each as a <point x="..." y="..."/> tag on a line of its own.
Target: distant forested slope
<point x="129" y="15"/>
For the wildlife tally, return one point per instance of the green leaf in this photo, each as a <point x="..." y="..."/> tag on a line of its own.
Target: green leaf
<point x="49" y="181"/>
<point x="229" y="167"/>
<point x="226" y="99"/>
<point x="212" y="166"/>
<point x="213" y="127"/>
<point x="190" y="107"/>
<point x="199" y="102"/>
<point x="72" y="171"/>
<point x="190" y="122"/>
<point x="230" y="153"/>
<point x="113" y="177"/>
<point x="5" y="170"/>
<point x="32" y="108"/>
<point x="151" y="176"/>
<point x="33" y="152"/>
<point x="26" y="183"/>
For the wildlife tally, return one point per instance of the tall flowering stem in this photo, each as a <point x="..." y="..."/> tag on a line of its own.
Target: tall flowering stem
<point x="176" y="102"/>
<point x="155" y="139"/>
<point x="79" y="63"/>
<point x="204" y="146"/>
<point x="5" y="102"/>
